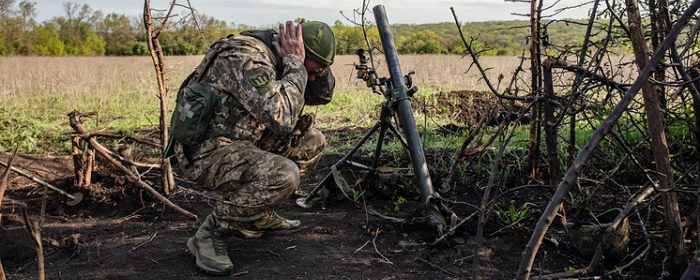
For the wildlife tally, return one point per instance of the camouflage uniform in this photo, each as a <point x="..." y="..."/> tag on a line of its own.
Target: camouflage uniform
<point x="259" y="94"/>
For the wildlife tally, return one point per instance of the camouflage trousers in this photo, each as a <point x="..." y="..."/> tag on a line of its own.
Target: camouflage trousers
<point x="254" y="181"/>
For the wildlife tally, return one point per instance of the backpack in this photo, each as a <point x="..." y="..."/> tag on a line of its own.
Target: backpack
<point x="194" y="107"/>
<point x="193" y="113"/>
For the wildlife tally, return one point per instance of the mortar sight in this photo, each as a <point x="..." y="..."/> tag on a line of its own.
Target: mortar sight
<point x="361" y="54"/>
<point x="364" y="72"/>
<point x="380" y="85"/>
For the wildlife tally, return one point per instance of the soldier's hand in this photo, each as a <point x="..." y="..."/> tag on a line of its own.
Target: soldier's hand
<point x="291" y="41"/>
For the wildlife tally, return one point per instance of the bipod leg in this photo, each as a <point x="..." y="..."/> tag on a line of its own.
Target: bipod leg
<point x="385" y="121"/>
<point x="400" y="136"/>
<point x="307" y="202"/>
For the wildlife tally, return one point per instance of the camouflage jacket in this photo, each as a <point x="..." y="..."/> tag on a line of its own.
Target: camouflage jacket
<point x="257" y="89"/>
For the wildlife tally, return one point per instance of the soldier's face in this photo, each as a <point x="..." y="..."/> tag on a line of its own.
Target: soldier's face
<point x="313" y="68"/>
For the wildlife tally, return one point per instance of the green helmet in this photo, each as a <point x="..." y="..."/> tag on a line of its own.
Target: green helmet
<point x="319" y="42"/>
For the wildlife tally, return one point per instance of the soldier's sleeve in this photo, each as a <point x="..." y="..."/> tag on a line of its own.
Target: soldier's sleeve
<point x="274" y="103"/>
<point x="320" y="91"/>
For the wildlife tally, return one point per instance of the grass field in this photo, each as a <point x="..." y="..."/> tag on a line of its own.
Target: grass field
<point x="38" y="92"/>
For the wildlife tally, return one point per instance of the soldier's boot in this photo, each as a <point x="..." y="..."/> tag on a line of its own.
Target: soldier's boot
<point x="271" y="223"/>
<point x="209" y="248"/>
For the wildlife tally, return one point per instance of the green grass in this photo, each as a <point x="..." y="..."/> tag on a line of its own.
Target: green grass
<point x="35" y="104"/>
<point x="44" y="119"/>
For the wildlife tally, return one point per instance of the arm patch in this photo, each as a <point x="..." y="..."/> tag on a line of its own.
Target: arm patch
<point x="259" y="78"/>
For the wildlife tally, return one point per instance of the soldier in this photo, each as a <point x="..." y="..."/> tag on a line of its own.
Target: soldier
<point x="258" y="147"/>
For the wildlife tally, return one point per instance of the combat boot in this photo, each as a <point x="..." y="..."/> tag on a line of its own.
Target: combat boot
<point x="270" y="224"/>
<point x="209" y="248"/>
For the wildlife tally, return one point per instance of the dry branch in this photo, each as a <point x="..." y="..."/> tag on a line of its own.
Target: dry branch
<point x="3" y="178"/>
<point x="34" y="230"/>
<point x="693" y="270"/>
<point x="582" y="158"/>
<point x="659" y="144"/>
<point x="485" y="207"/>
<point x="2" y="272"/>
<point x="460" y="153"/>
<point x="475" y="61"/>
<point x="3" y="187"/>
<point x="676" y="234"/>
<point x="374" y="243"/>
<point x="593" y="266"/>
<point x="533" y="150"/>
<point x="120" y="136"/>
<point x="82" y="162"/>
<point x="550" y="126"/>
<point x="76" y="124"/>
<point x="156" y="51"/>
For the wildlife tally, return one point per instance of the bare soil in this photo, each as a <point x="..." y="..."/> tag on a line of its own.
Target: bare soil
<point x="124" y="233"/>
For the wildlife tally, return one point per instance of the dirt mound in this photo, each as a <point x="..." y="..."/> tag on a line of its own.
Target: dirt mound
<point x="463" y="107"/>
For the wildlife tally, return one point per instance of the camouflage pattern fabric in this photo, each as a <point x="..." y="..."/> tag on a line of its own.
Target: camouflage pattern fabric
<point x="280" y="144"/>
<point x="255" y="181"/>
<point x="252" y="96"/>
<point x="255" y="96"/>
<point x="308" y="152"/>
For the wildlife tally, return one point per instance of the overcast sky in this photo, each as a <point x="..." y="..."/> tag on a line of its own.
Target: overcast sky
<point x="266" y="13"/>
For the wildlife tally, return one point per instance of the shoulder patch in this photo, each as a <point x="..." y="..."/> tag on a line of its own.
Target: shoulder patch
<point x="258" y="77"/>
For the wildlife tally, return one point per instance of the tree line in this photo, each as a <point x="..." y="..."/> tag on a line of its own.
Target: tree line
<point x="82" y="31"/>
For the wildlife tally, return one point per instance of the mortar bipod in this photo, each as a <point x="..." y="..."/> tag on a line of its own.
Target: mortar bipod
<point x="397" y="94"/>
<point x="437" y="215"/>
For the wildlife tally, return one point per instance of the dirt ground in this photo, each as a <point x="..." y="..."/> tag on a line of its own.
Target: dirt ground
<point x="124" y="233"/>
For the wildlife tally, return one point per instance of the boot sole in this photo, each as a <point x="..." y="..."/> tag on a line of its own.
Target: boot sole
<point x="252" y="234"/>
<point x="193" y="251"/>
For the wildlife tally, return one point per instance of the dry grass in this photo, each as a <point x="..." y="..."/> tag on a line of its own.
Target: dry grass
<point x="434" y="73"/>
<point x="82" y="82"/>
<point x="49" y="87"/>
<point x="38" y="92"/>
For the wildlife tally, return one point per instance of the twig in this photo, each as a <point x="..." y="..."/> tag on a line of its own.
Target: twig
<point x="454" y="228"/>
<point x="437" y="267"/>
<point x="273" y="253"/>
<point x="463" y="259"/>
<point x="363" y="246"/>
<point x="465" y="144"/>
<point x="119" y="136"/>
<point x="156" y="51"/>
<point x="239" y="273"/>
<point x="374" y="243"/>
<point x="510" y="225"/>
<point x="143" y="243"/>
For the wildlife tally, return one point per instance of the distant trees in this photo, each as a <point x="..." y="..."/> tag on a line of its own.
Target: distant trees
<point x="71" y="35"/>
<point x="120" y="35"/>
<point x="77" y="30"/>
<point x="422" y="42"/>
<point x="351" y="38"/>
<point x="81" y="31"/>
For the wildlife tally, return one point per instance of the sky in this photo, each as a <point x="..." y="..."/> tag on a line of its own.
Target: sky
<point x="268" y="13"/>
